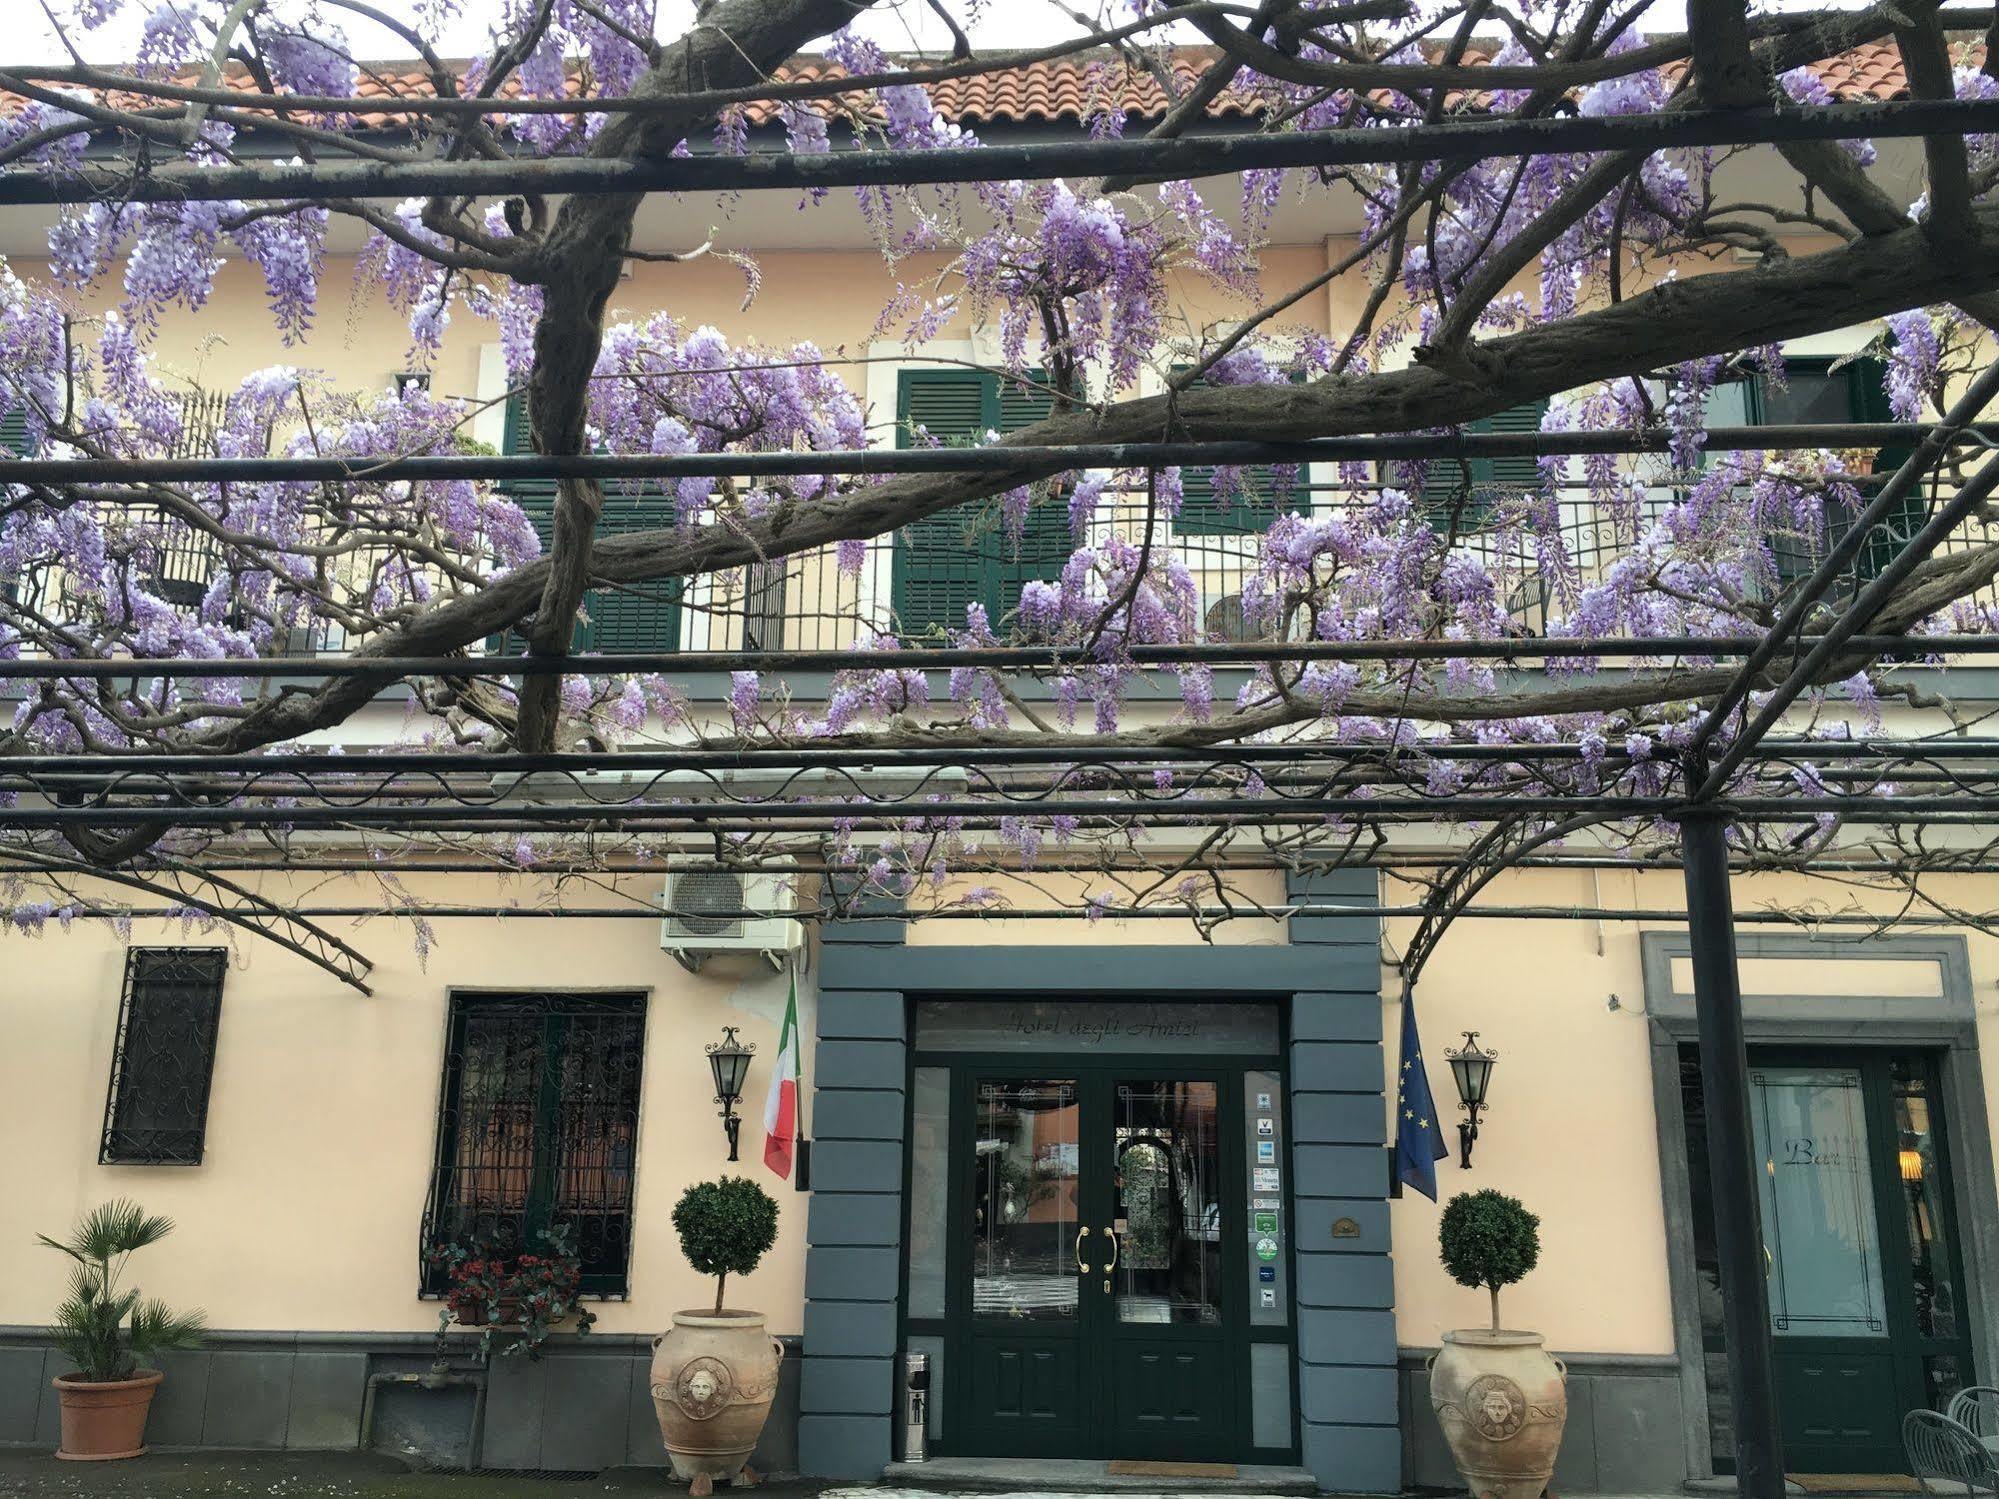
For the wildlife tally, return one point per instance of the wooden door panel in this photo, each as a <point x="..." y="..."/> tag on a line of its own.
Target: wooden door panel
<point x="1027" y="1395"/>
<point x="1171" y="1399"/>
<point x="1839" y="1409"/>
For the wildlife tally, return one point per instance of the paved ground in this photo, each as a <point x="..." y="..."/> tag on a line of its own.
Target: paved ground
<point x="346" y="1475"/>
<point x="315" y="1475"/>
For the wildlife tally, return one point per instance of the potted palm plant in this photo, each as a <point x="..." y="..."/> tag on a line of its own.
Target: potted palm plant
<point x="714" y="1373"/>
<point x="1498" y="1394"/>
<point x="107" y="1331"/>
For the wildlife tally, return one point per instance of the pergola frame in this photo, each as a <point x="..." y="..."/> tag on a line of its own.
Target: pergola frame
<point x="1364" y="786"/>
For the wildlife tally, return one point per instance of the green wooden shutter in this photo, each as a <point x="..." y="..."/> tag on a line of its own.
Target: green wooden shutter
<point x="938" y="569"/>
<point x="1045" y="542"/>
<point x="636" y="616"/>
<point x="639" y="617"/>
<point x="14" y="439"/>
<point x="1445" y="478"/>
<point x="1248" y="507"/>
<point x="14" y="434"/>
<point x="964" y="556"/>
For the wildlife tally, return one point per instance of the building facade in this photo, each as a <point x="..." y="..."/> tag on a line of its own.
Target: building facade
<point x="1125" y="1184"/>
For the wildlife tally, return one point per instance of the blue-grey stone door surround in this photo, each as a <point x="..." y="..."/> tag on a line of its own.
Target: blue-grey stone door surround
<point x="1328" y="979"/>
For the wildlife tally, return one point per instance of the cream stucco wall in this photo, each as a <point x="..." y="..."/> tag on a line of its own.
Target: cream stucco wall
<point x="832" y="298"/>
<point x="305" y="1211"/>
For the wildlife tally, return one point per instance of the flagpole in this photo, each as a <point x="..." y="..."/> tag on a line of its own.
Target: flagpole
<point x="801" y="1153"/>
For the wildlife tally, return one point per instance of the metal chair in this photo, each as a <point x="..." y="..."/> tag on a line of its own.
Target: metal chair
<point x="1942" y="1454"/>
<point x="1976" y="1408"/>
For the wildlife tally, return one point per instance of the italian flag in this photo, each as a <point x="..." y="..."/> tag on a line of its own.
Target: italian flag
<point x="781" y="1105"/>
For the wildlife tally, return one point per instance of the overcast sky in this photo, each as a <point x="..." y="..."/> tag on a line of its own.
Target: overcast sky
<point x="897" y="24"/>
<point x="1003" y="23"/>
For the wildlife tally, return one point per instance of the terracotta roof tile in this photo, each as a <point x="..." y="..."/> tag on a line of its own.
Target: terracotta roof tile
<point x="1069" y="90"/>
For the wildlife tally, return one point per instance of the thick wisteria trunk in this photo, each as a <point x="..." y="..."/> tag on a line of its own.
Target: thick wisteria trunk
<point x="736" y="43"/>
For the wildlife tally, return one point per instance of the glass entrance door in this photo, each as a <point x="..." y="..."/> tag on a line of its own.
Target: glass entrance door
<point x="1864" y="1280"/>
<point x="1026" y="1227"/>
<point x="1102" y="1297"/>
<point x="1166" y="1358"/>
<point x="1823" y="1261"/>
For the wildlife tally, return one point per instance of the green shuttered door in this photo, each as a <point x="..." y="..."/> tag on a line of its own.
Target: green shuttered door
<point x="1447" y="478"/>
<point x="637" y="617"/>
<point x="963" y="556"/>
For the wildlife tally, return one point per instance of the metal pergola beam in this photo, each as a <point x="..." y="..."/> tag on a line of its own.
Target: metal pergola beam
<point x="1121" y="811"/>
<point x="994" y="457"/>
<point x="1199" y="155"/>
<point x="863" y="759"/>
<point x="1248" y="912"/>
<point x="915" y="658"/>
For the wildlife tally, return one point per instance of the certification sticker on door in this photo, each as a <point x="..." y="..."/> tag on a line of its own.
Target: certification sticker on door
<point x="1269" y="1296"/>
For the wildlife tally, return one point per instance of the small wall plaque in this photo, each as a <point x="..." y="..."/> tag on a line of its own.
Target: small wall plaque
<point x="1345" y="1228"/>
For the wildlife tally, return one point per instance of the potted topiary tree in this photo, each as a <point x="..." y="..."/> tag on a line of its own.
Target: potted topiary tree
<point x="1498" y="1395"/>
<point x="107" y="1331"/>
<point x="715" y="1373"/>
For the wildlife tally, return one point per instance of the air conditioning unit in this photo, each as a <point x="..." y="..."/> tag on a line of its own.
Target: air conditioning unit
<point x="711" y="911"/>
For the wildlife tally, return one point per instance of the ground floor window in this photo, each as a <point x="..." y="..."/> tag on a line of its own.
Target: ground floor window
<point x="537" y="1126"/>
<point x="156" y="1111"/>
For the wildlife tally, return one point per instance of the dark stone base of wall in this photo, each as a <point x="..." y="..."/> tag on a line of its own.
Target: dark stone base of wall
<point x="584" y="1406"/>
<point x="1626" y="1432"/>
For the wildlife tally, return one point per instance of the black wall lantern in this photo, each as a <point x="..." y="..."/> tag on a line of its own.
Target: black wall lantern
<point x="1472" y="1067"/>
<point x="729" y="1060"/>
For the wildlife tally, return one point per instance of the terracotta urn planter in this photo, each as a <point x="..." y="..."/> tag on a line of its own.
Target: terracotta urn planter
<point x="107" y="1419"/>
<point x="713" y="1378"/>
<point x="1502" y="1402"/>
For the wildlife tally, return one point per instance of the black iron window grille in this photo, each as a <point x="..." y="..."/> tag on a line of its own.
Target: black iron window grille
<point x="156" y="1110"/>
<point x="537" y="1128"/>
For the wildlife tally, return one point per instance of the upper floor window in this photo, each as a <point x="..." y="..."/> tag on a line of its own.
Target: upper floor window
<point x="623" y="617"/>
<point x="1246" y="506"/>
<point x="1462" y="494"/>
<point x="537" y="1128"/>
<point x="963" y="555"/>
<point x="164" y="1056"/>
<point x="1826" y="392"/>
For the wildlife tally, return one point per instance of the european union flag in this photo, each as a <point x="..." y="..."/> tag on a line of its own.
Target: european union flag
<point x="1419" y="1139"/>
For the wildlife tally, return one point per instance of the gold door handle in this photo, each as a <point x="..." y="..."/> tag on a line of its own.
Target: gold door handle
<point x="1114" y="1251"/>
<point x="1081" y="1268"/>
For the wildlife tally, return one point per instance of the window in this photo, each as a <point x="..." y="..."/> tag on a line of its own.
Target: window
<point x="629" y="617"/>
<point x="1466" y="490"/>
<point x="537" y="1127"/>
<point x="156" y="1112"/>
<point x="964" y="555"/>
<point x="13" y="444"/>
<point x="1821" y="392"/>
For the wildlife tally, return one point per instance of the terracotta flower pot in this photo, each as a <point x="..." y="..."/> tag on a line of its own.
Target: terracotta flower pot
<point x="713" y="1379"/>
<point x="105" y="1419"/>
<point x="1502" y="1403"/>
